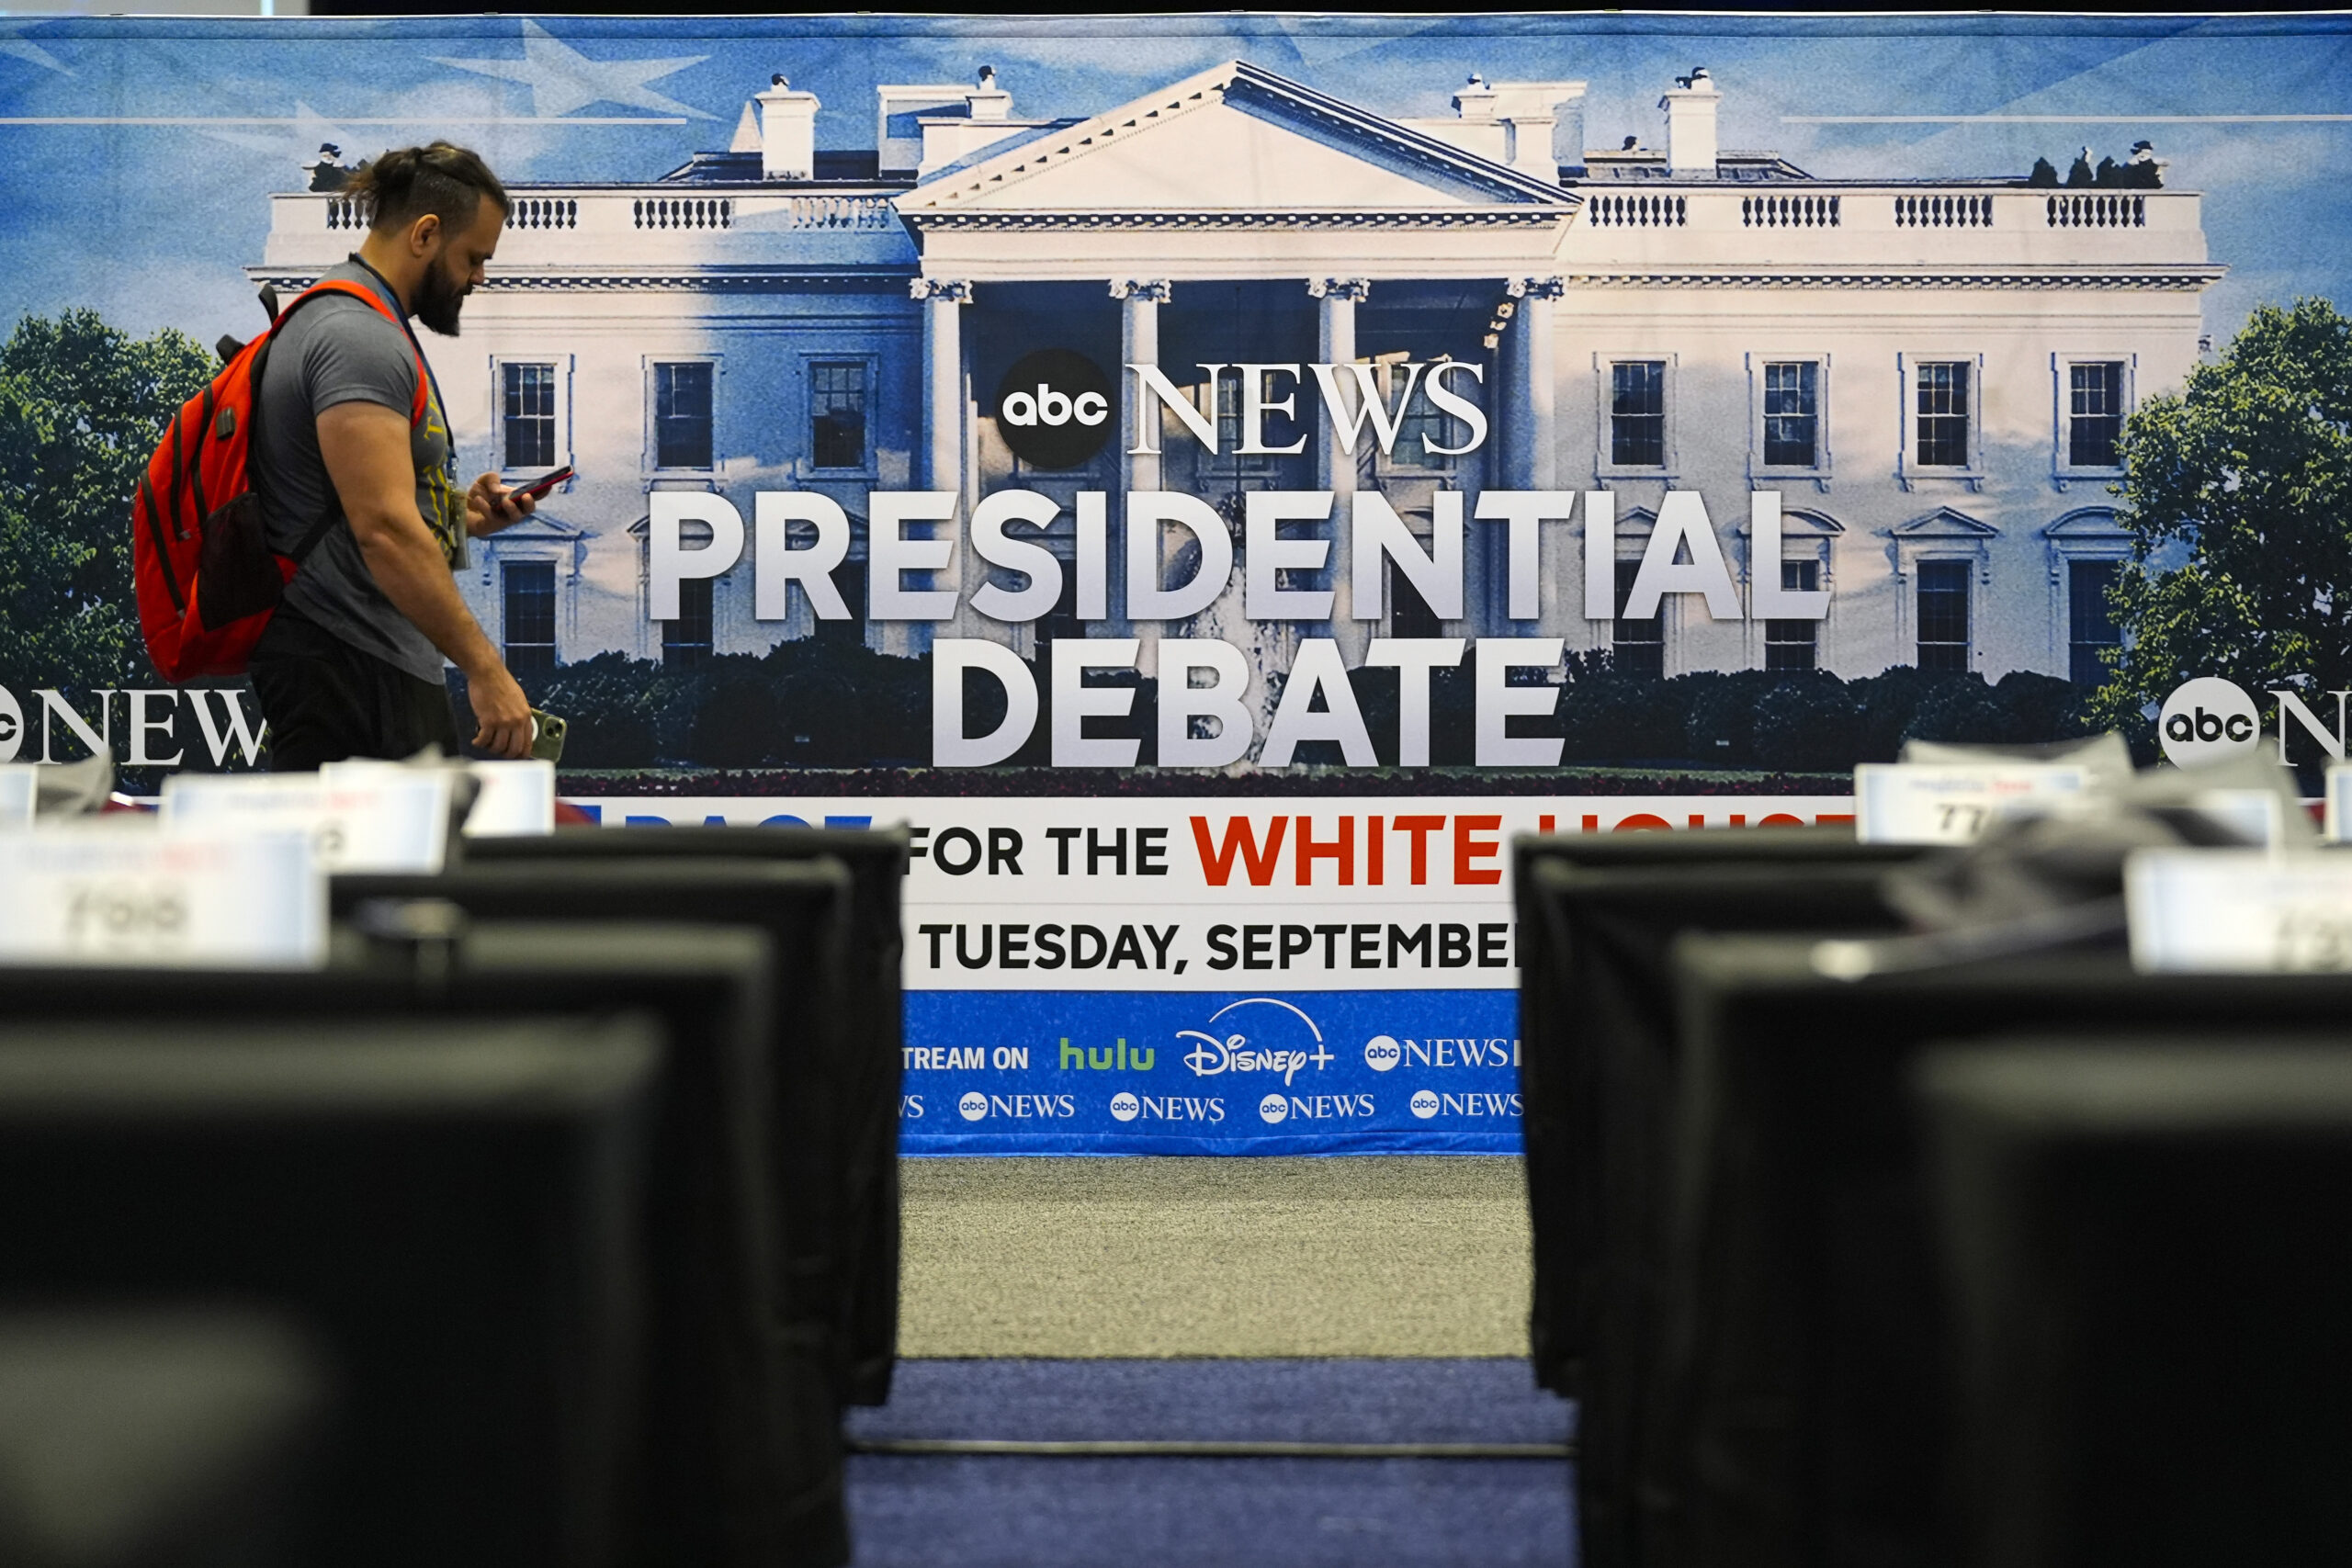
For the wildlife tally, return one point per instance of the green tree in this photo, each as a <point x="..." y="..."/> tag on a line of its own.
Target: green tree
<point x="2239" y="497"/>
<point x="80" y="408"/>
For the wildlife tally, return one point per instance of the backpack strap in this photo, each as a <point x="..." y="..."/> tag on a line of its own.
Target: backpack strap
<point x="317" y="532"/>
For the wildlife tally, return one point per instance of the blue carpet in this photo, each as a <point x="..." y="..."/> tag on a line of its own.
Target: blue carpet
<point x="1024" y="1512"/>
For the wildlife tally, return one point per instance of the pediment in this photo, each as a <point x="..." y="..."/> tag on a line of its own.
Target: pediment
<point x="2089" y="523"/>
<point x="1799" y="523"/>
<point x="539" y="528"/>
<point x="1232" y="139"/>
<point x="1945" y="523"/>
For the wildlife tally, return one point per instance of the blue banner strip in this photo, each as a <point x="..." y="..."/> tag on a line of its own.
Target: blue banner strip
<point x="1211" y="1073"/>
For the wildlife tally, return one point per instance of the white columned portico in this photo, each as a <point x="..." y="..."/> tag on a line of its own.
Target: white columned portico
<point x="1531" y="387"/>
<point x="1139" y="302"/>
<point x="1334" y="468"/>
<point x="943" y="381"/>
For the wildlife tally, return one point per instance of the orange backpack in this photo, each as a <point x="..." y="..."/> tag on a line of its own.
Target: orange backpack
<point x="207" y="579"/>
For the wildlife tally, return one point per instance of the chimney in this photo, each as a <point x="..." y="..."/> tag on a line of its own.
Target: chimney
<point x="1475" y="104"/>
<point x="1538" y="130"/>
<point x="1689" y="107"/>
<point x="986" y="100"/>
<point x="787" y="133"/>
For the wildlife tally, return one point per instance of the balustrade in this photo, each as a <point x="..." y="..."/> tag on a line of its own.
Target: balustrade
<point x="1943" y="212"/>
<point x="1643" y="211"/>
<point x="2098" y="210"/>
<point x="1789" y="211"/>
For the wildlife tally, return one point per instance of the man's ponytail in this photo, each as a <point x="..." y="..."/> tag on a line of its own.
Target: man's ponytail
<point x="407" y="182"/>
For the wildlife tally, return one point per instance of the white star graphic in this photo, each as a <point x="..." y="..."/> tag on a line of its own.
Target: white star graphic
<point x="562" y="79"/>
<point x="17" y="47"/>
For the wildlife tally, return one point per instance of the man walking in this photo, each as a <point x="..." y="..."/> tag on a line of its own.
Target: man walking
<point x="351" y="664"/>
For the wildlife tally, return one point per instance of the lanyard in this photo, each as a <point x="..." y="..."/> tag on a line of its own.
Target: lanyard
<point x="400" y="313"/>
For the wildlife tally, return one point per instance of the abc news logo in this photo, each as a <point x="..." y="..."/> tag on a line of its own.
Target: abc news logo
<point x="1053" y="409"/>
<point x="2211" y="720"/>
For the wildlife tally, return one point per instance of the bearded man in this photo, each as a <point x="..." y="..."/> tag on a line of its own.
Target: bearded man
<point x="358" y="483"/>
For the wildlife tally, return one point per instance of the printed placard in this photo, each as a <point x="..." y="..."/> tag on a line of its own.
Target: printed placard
<point x="20" y="786"/>
<point x="2239" y="911"/>
<point x="133" y="895"/>
<point x="1947" y="803"/>
<point x="395" y="820"/>
<point x="2257" y="816"/>
<point x="2336" y="819"/>
<point x="517" y="798"/>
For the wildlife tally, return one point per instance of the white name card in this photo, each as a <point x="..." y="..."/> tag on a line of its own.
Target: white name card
<point x="2336" y="816"/>
<point x="109" y="894"/>
<point x="2239" y="911"/>
<point x="379" y="821"/>
<point x="20" y="786"/>
<point x="1951" y="803"/>
<point x="517" y="798"/>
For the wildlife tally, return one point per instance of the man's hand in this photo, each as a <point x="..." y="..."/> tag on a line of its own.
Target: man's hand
<point x="490" y="506"/>
<point x="367" y="450"/>
<point x="503" y="711"/>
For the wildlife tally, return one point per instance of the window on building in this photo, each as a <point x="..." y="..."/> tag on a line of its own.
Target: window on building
<point x="1792" y="414"/>
<point x="686" y="641"/>
<point x="1422" y="427"/>
<point x="681" y="415"/>
<point x="527" y="396"/>
<point x="1637" y="414"/>
<point x="1277" y="429"/>
<point x="2090" y="621"/>
<point x="1795" y="645"/>
<point x="2094" y="413"/>
<point x="849" y="580"/>
<point x="1639" y="647"/>
<point x="1408" y="613"/>
<point x="837" y="415"/>
<point x="1943" y="614"/>
<point x="1943" y="389"/>
<point x="529" y="617"/>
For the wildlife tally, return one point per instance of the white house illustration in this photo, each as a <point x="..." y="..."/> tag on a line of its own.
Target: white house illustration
<point x="1931" y="374"/>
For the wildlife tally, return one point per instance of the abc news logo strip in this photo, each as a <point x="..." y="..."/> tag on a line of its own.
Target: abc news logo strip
<point x="1216" y="1073"/>
<point x="1193" y="894"/>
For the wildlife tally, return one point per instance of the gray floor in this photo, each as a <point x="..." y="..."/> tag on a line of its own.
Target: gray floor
<point x="1375" y="1255"/>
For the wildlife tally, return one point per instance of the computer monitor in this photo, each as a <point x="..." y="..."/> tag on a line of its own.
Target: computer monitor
<point x="739" y="1462"/>
<point x="442" y="1210"/>
<point x="1801" y="1403"/>
<point x="803" y="907"/>
<point x="1598" y="1073"/>
<point x="2148" y="1240"/>
<point x="870" y="1082"/>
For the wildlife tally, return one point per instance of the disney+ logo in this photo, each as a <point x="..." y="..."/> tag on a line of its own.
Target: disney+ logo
<point x="1234" y="1050"/>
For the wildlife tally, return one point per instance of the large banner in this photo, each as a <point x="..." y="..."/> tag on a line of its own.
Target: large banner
<point x="1219" y="478"/>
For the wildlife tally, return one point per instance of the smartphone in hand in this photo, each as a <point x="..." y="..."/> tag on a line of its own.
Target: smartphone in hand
<point x="543" y="484"/>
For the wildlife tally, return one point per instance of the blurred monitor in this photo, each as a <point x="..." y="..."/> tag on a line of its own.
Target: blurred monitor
<point x="869" y="1081"/>
<point x="1801" y="1401"/>
<point x="737" y="1463"/>
<point x="443" y="1209"/>
<point x="803" y="908"/>
<point x="2149" y="1244"/>
<point x="1599" y="1074"/>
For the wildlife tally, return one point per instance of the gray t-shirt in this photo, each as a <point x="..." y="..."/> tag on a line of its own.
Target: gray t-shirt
<point x="338" y="351"/>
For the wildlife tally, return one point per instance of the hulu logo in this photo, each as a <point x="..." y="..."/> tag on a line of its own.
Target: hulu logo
<point x="1114" y="1059"/>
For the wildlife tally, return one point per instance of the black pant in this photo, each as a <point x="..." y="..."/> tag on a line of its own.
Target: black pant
<point x="326" y="701"/>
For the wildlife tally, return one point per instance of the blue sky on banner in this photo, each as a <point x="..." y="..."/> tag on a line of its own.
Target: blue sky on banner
<point x="136" y="155"/>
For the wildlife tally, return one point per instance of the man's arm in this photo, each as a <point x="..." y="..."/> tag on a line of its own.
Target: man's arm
<point x="366" y="447"/>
